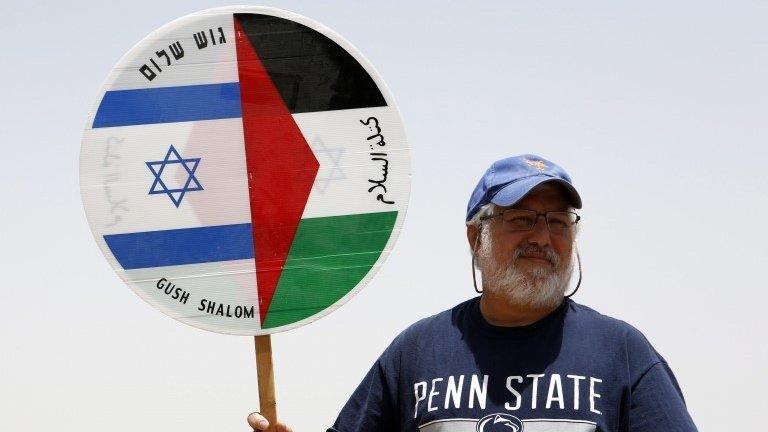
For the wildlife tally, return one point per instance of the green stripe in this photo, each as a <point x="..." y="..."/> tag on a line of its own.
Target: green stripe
<point x="329" y="257"/>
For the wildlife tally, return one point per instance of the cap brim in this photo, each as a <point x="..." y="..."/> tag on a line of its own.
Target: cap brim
<point x="512" y="193"/>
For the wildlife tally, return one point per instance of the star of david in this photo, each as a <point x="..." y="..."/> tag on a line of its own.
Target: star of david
<point x="334" y="154"/>
<point x="175" y="194"/>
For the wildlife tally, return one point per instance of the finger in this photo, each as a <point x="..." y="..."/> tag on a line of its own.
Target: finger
<point x="257" y="421"/>
<point x="282" y="427"/>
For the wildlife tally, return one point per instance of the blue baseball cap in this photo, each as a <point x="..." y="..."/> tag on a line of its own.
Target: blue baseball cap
<point x="508" y="180"/>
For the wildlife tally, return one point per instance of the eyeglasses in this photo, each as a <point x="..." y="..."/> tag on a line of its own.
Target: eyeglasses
<point x="558" y="222"/>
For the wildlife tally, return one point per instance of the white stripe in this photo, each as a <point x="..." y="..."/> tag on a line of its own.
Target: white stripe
<point x="448" y="420"/>
<point x="559" y="420"/>
<point x="339" y="142"/>
<point x="558" y="425"/>
<point x="530" y="425"/>
<point x="116" y="181"/>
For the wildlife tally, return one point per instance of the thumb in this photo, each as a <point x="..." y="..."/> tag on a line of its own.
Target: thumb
<point x="257" y="421"/>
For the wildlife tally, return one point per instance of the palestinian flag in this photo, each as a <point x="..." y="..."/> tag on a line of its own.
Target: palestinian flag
<point x="245" y="170"/>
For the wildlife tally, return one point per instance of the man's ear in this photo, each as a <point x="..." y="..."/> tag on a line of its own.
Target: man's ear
<point x="473" y="231"/>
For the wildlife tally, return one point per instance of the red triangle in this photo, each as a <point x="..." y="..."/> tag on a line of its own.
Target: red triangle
<point x="281" y="168"/>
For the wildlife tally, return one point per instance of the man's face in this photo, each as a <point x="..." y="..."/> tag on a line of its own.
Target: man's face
<point x="529" y="267"/>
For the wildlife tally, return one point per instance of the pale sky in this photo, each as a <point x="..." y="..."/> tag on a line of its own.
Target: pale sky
<point x="656" y="109"/>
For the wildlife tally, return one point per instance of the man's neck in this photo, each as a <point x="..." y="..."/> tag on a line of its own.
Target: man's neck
<point x="499" y="311"/>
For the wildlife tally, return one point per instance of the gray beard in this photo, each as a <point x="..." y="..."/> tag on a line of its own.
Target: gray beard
<point x="543" y="289"/>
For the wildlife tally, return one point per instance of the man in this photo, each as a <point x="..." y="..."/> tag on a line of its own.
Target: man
<point x="522" y="356"/>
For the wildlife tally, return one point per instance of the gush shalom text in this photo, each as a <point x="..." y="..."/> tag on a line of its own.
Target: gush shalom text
<point x="210" y="307"/>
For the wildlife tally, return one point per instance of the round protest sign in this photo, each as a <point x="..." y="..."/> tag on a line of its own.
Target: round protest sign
<point x="245" y="170"/>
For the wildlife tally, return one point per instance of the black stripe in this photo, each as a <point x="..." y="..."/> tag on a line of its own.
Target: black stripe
<point x="311" y="72"/>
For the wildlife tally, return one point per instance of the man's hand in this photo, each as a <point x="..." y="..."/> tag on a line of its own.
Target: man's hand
<point x="259" y="423"/>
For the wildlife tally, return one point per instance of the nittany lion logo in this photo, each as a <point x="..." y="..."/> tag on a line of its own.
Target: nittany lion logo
<point x="499" y="423"/>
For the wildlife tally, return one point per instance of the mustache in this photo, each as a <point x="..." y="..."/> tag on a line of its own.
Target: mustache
<point x="540" y="252"/>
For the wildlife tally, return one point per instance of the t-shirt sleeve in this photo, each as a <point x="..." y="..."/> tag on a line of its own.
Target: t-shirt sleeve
<point x="373" y="405"/>
<point x="657" y="403"/>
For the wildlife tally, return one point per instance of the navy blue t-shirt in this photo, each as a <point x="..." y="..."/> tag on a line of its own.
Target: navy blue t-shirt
<point x="574" y="370"/>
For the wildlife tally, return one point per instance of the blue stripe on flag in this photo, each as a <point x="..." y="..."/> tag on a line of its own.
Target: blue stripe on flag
<point x="182" y="246"/>
<point x="168" y="105"/>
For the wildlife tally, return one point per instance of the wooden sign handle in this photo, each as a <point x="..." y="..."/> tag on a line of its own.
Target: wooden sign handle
<point x="267" y="402"/>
